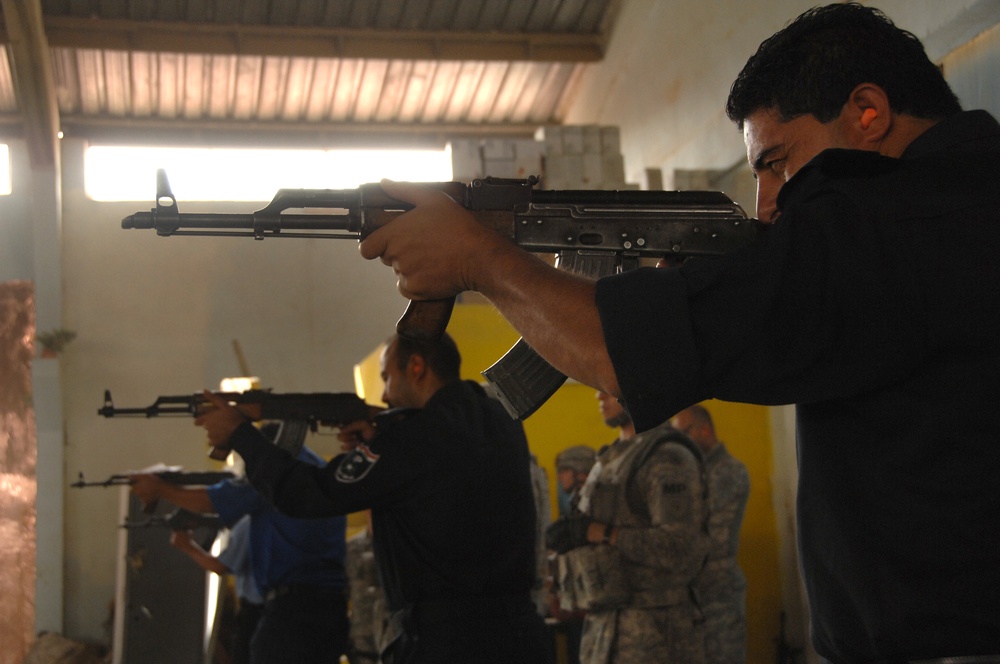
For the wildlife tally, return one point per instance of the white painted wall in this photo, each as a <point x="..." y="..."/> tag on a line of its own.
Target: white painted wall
<point x="667" y="72"/>
<point x="157" y="316"/>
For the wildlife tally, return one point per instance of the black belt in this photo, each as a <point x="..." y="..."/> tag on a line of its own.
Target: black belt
<point x="301" y="590"/>
<point x="971" y="659"/>
<point x="464" y="609"/>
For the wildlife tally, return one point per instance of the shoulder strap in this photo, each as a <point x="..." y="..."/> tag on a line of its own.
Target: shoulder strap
<point x="663" y="434"/>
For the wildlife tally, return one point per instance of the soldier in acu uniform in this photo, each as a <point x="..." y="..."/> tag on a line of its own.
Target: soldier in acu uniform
<point x="721" y="585"/>
<point x="632" y="558"/>
<point x="367" y="600"/>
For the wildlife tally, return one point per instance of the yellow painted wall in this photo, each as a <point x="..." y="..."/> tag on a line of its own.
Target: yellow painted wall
<point x="571" y="417"/>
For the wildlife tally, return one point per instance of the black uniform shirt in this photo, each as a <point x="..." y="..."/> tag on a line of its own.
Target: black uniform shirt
<point x="453" y="513"/>
<point x="874" y="305"/>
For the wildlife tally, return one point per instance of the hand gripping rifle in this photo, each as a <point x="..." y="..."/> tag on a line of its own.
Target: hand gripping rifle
<point x="298" y="413"/>
<point x="180" y="519"/>
<point x="178" y="477"/>
<point x="593" y="233"/>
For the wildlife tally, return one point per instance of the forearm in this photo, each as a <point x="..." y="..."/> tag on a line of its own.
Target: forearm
<point x="194" y="499"/>
<point x="553" y="310"/>
<point x="263" y="462"/>
<point x="152" y="488"/>
<point x="204" y="559"/>
<point x="663" y="546"/>
<point x="602" y="533"/>
<point x="296" y="488"/>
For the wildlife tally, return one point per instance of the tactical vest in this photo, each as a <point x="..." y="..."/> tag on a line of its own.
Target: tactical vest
<point x="598" y="576"/>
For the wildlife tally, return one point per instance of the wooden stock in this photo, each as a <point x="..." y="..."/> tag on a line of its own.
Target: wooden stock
<point x="425" y="320"/>
<point x="219" y="453"/>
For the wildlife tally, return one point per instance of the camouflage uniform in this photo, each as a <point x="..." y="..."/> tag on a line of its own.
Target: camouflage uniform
<point x="543" y="516"/>
<point x="721" y="586"/>
<point x="367" y="603"/>
<point x="640" y="602"/>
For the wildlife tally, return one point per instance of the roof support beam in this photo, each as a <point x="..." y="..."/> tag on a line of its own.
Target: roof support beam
<point x="283" y="134"/>
<point x="285" y="40"/>
<point x="33" y="80"/>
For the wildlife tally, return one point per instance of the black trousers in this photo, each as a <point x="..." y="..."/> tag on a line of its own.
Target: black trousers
<point x="478" y="631"/>
<point x="302" y="625"/>
<point x="247" y="617"/>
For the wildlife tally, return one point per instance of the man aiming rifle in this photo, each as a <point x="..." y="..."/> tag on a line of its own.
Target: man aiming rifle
<point x="872" y="303"/>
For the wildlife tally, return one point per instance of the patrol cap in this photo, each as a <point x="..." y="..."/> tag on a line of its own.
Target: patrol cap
<point x="578" y="458"/>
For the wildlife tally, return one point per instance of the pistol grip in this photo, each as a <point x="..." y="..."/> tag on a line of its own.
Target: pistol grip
<point x="219" y="453"/>
<point x="425" y="320"/>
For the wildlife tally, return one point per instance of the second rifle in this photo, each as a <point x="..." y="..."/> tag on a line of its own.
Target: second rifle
<point x="593" y="233"/>
<point x="298" y="413"/>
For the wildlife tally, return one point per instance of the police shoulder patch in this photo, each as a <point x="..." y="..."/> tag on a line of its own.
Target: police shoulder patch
<point x="356" y="464"/>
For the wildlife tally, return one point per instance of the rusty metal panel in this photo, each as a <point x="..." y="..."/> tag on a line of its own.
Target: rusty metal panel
<point x="18" y="456"/>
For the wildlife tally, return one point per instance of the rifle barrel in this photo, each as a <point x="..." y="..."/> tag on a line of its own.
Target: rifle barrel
<point x="149" y="411"/>
<point x="322" y="226"/>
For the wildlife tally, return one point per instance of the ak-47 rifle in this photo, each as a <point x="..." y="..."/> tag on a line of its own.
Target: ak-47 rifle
<point x="180" y="519"/>
<point x="201" y="478"/>
<point x="297" y="413"/>
<point x="178" y="477"/>
<point x="594" y="233"/>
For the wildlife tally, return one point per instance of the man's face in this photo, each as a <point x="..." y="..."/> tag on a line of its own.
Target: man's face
<point x="777" y="150"/>
<point x="567" y="479"/>
<point x="612" y="412"/>
<point x="398" y="391"/>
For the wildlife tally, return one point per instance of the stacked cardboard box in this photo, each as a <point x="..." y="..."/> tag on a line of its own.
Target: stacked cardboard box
<point x="565" y="157"/>
<point x="582" y="157"/>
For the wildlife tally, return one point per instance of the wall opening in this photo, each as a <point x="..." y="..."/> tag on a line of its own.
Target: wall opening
<point x="128" y="173"/>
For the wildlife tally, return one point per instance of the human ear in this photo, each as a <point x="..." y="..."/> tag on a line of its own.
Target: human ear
<point x="867" y="116"/>
<point x="416" y="366"/>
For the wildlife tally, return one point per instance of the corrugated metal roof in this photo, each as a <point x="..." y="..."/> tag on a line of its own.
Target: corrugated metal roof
<point x="405" y="65"/>
<point x="256" y="88"/>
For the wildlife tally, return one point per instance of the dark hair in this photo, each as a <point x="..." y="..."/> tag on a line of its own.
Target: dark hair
<point x="813" y="64"/>
<point x="442" y="355"/>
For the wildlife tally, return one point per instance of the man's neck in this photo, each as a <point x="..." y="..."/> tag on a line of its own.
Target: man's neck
<point x="429" y="389"/>
<point x="627" y="432"/>
<point x="905" y="130"/>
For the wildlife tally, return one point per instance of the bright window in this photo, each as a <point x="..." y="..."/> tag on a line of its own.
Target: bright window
<point x="119" y="173"/>
<point x="4" y="169"/>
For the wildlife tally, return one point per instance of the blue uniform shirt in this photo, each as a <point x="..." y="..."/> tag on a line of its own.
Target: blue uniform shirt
<point x="236" y="556"/>
<point x="284" y="550"/>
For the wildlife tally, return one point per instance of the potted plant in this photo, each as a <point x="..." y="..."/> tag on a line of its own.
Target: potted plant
<point x="54" y="341"/>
